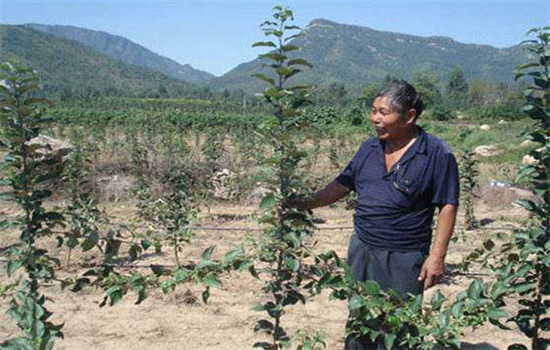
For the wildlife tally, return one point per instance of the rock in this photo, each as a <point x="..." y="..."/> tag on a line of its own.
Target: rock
<point x="225" y="184"/>
<point x="485" y="127"/>
<point x="502" y="121"/>
<point x="487" y="150"/>
<point x="257" y="195"/>
<point x="459" y="115"/>
<point x="528" y="160"/>
<point x="502" y="197"/>
<point x="115" y="187"/>
<point x="528" y="143"/>
<point x="52" y="147"/>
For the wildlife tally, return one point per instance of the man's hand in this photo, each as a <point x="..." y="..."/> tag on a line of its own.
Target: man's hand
<point x="431" y="271"/>
<point x="434" y="266"/>
<point x="328" y="195"/>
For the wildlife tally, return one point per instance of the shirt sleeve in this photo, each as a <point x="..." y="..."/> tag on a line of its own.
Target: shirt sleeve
<point x="347" y="177"/>
<point x="446" y="179"/>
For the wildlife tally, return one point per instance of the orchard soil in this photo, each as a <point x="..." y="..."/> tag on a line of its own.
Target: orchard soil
<point x="179" y="320"/>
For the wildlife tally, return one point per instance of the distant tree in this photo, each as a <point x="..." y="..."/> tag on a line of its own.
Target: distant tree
<point x="425" y="82"/>
<point x="456" y="89"/>
<point x="367" y="96"/>
<point x="337" y="95"/>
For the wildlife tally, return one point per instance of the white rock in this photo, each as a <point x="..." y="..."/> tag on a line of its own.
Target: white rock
<point x="49" y="146"/>
<point x="529" y="160"/>
<point x="257" y="195"/>
<point x="485" y="127"/>
<point x="225" y="183"/>
<point x="487" y="150"/>
<point x="115" y="187"/>
<point x="528" y="143"/>
<point x="502" y="121"/>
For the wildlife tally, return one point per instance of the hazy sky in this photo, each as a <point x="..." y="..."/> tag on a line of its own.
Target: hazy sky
<point x="217" y="35"/>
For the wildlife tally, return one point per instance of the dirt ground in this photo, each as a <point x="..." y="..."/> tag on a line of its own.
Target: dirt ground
<point x="175" y="322"/>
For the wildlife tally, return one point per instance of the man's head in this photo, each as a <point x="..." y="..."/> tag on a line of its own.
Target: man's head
<point x="402" y="98"/>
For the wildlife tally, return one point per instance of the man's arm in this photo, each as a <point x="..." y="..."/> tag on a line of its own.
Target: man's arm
<point x="434" y="266"/>
<point x="328" y="195"/>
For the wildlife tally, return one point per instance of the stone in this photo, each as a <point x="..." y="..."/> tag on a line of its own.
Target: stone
<point x="115" y="187"/>
<point x="225" y="184"/>
<point x="487" y="150"/>
<point x="52" y="147"/>
<point x="257" y="195"/>
<point x="485" y="127"/>
<point x="529" y="160"/>
<point x="528" y="143"/>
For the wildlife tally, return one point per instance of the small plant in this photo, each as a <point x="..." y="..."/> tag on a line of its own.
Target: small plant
<point x="529" y="274"/>
<point x="469" y="174"/>
<point x="176" y="210"/>
<point x="26" y="171"/>
<point x="283" y="246"/>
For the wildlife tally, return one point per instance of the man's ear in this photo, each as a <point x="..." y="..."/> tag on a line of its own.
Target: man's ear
<point x="411" y="116"/>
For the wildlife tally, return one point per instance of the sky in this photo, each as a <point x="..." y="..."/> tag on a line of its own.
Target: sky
<point x="217" y="35"/>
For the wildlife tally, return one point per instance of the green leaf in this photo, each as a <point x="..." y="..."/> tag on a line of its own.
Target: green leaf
<point x="287" y="48"/>
<point x="145" y="244"/>
<point x="356" y="302"/>
<point x="264" y="78"/>
<point x="205" y="295"/>
<point x="264" y="43"/>
<point x="292" y="263"/>
<point x="372" y="287"/>
<point x="210" y="280"/>
<point x="5" y="224"/>
<point x="496" y="314"/>
<point x="207" y="253"/>
<point x="437" y="300"/>
<point x="299" y="61"/>
<point x="544" y="324"/>
<point x="274" y="56"/>
<point x="389" y="340"/>
<point x="268" y="201"/>
<point x="263" y="326"/>
<point x="527" y="204"/>
<point x="517" y="347"/>
<point x="87" y="244"/>
<point x="474" y="290"/>
<point x="257" y="307"/>
<point x="488" y="244"/>
<point x="14" y="265"/>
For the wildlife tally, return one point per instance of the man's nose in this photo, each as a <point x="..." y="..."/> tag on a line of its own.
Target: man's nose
<point x="374" y="117"/>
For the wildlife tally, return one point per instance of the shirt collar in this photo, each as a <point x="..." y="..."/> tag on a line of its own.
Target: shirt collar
<point x="420" y="146"/>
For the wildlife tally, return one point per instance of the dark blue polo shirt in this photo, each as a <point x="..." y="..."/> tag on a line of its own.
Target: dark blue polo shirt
<point x="395" y="209"/>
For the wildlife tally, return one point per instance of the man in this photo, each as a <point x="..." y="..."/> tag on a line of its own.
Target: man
<point x="400" y="177"/>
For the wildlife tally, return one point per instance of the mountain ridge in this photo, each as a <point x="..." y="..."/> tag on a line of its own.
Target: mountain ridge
<point x="125" y="50"/>
<point x="68" y="68"/>
<point x="354" y="56"/>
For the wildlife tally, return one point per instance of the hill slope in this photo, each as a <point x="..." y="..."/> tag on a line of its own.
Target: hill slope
<point x="124" y="50"/>
<point x="354" y="55"/>
<point x="68" y="68"/>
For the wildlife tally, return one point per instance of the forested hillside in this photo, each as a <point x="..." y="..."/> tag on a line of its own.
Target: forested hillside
<point x="354" y="56"/>
<point x="124" y="50"/>
<point x="69" y="69"/>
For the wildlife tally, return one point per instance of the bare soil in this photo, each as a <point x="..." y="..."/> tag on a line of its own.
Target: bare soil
<point x="179" y="320"/>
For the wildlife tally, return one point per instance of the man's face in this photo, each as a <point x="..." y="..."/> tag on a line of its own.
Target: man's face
<point x="388" y="123"/>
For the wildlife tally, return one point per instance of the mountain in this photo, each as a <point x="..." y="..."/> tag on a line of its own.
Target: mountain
<point x="125" y="50"/>
<point x="68" y="68"/>
<point x="354" y="56"/>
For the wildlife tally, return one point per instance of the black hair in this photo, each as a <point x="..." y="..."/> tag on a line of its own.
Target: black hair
<point x="402" y="97"/>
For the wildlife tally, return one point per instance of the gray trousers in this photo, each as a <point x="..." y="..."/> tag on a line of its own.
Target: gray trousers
<point x="391" y="269"/>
